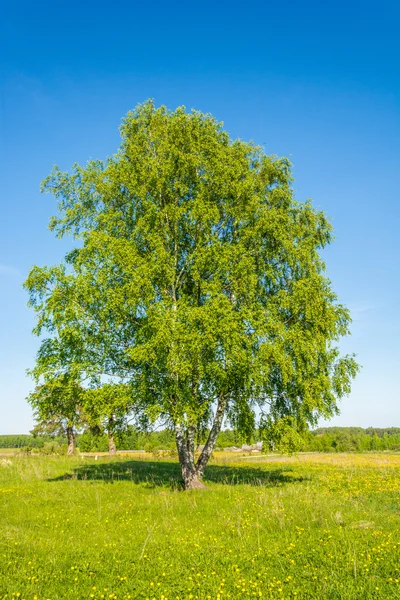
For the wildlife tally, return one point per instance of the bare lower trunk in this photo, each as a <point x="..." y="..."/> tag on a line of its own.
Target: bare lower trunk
<point x="192" y="473"/>
<point x="70" y="441"/>
<point x="185" y="447"/>
<point x="191" y="480"/>
<point x="112" y="448"/>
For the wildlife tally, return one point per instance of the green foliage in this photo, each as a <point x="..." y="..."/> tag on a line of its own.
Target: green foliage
<point x="229" y="437"/>
<point x="21" y="441"/>
<point x="281" y="435"/>
<point x="134" y="439"/>
<point x="58" y="403"/>
<point x="352" y="439"/>
<point x="196" y="280"/>
<point x="53" y="448"/>
<point x="128" y="439"/>
<point x="107" y="406"/>
<point x="48" y="429"/>
<point x="90" y="442"/>
<point x="42" y="444"/>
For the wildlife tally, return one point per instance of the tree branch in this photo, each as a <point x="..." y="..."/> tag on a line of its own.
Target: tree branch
<point x="212" y="437"/>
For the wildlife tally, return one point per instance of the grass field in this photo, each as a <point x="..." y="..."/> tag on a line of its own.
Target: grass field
<point x="320" y="526"/>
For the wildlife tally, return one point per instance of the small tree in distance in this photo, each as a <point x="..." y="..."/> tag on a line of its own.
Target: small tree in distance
<point x="57" y="403"/>
<point x="198" y="280"/>
<point x="107" y="407"/>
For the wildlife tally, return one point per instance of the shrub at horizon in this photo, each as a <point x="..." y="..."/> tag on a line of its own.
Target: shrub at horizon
<point x="196" y="280"/>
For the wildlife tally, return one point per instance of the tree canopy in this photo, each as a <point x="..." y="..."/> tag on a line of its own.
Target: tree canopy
<point x="196" y="280"/>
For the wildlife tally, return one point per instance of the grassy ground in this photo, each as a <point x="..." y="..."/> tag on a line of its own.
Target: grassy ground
<point x="313" y="527"/>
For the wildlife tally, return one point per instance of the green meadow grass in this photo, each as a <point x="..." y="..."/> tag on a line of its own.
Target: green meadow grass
<point x="313" y="527"/>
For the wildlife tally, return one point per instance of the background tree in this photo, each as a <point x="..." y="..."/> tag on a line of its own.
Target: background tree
<point x="198" y="278"/>
<point x="107" y="407"/>
<point x="57" y="406"/>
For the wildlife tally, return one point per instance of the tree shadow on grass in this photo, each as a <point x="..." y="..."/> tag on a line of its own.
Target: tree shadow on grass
<point x="167" y="474"/>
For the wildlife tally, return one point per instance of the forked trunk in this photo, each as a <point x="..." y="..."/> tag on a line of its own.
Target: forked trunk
<point x="70" y="441"/>
<point x="192" y="473"/>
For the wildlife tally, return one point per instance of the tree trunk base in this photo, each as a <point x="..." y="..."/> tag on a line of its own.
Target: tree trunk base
<point x="112" y="449"/>
<point x="71" y="441"/>
<point x="194" y="483"/>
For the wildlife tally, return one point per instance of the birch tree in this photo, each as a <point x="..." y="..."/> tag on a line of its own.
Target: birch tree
<point x="197" y="278"/>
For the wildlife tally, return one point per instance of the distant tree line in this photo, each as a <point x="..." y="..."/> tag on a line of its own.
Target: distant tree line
<point x="325" y="439"/>
<point x="94" y="441"/>
<point x="352" y="439"/>
<point x="29" y="441"/>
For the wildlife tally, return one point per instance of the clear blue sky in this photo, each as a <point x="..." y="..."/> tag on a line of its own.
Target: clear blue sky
<point x="316" y="81"/>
